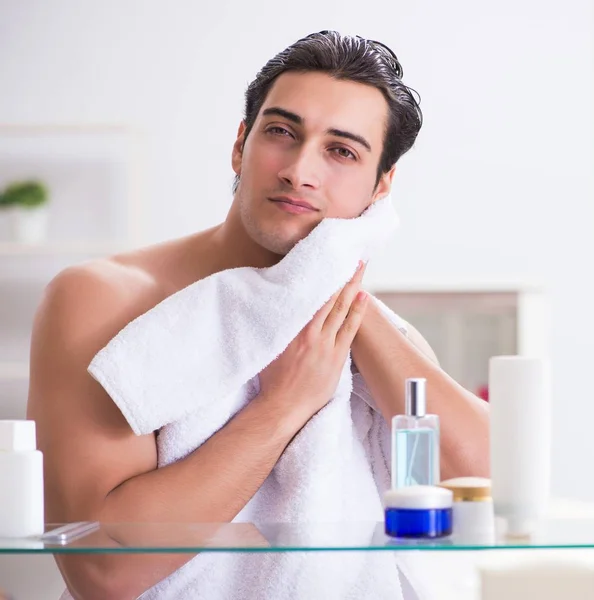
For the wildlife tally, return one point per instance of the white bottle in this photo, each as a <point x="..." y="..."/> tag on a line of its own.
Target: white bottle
<point x="520" y="409"/>
<point x="21" y="481"/>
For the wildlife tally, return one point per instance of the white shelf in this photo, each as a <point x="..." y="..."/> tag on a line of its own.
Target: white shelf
<point x="375" y="284"/>
<point x="13" y="371"/>
<point x="15" y="249"/>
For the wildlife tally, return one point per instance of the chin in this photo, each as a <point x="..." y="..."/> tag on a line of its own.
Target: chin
<point x="272" y="235"/>
<point x="277" y="244"/>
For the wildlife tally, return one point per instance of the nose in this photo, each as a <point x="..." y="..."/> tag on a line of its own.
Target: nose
<point x="302" y="169"/>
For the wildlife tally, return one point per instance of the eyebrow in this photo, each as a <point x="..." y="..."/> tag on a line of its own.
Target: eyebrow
<point x="295" y="118"/>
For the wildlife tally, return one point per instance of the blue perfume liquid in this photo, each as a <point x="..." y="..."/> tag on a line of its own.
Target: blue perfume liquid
<point x="415" y="456"/>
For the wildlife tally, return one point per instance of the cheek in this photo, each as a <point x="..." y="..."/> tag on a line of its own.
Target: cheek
<point x="263" y="161"/>
<point x="348" y="194"/>
<point x="271" y="162"/>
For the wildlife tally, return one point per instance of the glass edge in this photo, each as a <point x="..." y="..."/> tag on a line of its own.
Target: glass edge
<point x="201" y="550"/>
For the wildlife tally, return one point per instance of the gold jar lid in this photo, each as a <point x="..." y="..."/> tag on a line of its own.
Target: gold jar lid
<point x="469" y="489"/>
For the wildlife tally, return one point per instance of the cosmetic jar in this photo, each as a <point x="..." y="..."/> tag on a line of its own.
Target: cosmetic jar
<point x="418" y="511"/>
<point x="472" y="510"/>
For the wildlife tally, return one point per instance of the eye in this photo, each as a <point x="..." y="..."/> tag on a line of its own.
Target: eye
<point x="276" y="130"/>
<point x="344" y="153"/>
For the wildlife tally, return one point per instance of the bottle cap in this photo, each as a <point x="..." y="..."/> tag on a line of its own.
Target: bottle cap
<point x="17" y="436"/>
<point x="419" y="497"/>
<point x="468" y="489"/>
<point x="415" y="398"/>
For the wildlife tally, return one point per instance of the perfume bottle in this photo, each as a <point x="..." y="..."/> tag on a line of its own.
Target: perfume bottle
<point x="415" y="440"/>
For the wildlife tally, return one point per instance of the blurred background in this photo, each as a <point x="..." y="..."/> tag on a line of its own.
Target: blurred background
<point x="116" y="125"/>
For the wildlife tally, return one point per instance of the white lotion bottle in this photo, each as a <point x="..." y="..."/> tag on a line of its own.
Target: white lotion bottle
<point x="520" y="405"/>
<point x="21" y="481"/>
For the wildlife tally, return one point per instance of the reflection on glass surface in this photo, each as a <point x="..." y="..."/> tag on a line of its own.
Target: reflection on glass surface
<point x="279" y="537"/>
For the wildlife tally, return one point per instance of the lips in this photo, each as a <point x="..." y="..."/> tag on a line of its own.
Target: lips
<point x="294" y="202"/>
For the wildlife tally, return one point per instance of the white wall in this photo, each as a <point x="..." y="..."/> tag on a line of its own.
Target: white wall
<point x="499" y="185"/>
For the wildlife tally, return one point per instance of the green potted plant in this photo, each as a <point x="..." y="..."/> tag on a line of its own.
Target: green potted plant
<point x="28" y="203"/>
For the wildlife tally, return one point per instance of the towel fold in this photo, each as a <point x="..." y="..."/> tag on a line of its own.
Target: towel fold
<point x="188" y="365"/>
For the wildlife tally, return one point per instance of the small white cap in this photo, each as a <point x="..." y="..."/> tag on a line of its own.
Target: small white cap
<point x="420" y="497"/>
<point x="17" y="436"/>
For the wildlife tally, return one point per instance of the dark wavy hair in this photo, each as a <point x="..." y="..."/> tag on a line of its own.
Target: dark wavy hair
<point x="350" y="58"/>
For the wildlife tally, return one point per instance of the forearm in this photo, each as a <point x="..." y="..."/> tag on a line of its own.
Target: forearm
<point x="211" y="485"/>
<point x="386" y="358"/>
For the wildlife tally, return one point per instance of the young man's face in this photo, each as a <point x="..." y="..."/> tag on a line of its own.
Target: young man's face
<point x="316" y="141"/>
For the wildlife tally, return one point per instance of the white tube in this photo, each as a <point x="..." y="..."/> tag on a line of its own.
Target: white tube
<point x="519" y="396"/>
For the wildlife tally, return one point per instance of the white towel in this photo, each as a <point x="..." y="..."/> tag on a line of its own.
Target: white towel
<point x="188" y="365"/>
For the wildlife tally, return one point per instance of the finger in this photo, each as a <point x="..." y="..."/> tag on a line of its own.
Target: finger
<point x="342" y="305"/>
<point x="346" y="334"/>
<point x="320" y="317"/>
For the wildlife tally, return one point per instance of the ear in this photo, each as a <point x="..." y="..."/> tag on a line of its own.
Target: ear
<point x="237" y="153"/>
<point x="384" y="186"/>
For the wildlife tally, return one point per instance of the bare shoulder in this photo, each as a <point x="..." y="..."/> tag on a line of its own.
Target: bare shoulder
<point x="81" y="310"/>
<point x="102" y="291"/>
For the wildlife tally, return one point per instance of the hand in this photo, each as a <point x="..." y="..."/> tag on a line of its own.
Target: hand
<point x="305" y="376"/>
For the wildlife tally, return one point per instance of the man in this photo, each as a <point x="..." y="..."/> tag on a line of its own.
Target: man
<point x="325" y="122"/>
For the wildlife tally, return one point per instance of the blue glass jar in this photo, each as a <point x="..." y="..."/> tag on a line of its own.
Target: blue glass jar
<point x="418" y="511"/>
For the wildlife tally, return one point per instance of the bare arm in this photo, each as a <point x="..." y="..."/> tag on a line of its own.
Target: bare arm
<point x="385" y="358"/>
<point x="96" y="468"/>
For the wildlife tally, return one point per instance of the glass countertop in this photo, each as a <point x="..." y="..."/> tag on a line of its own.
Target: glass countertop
<point x="247" y="537"/>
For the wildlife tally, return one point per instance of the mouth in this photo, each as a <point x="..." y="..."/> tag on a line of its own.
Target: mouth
<point x="294" y="205"/>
